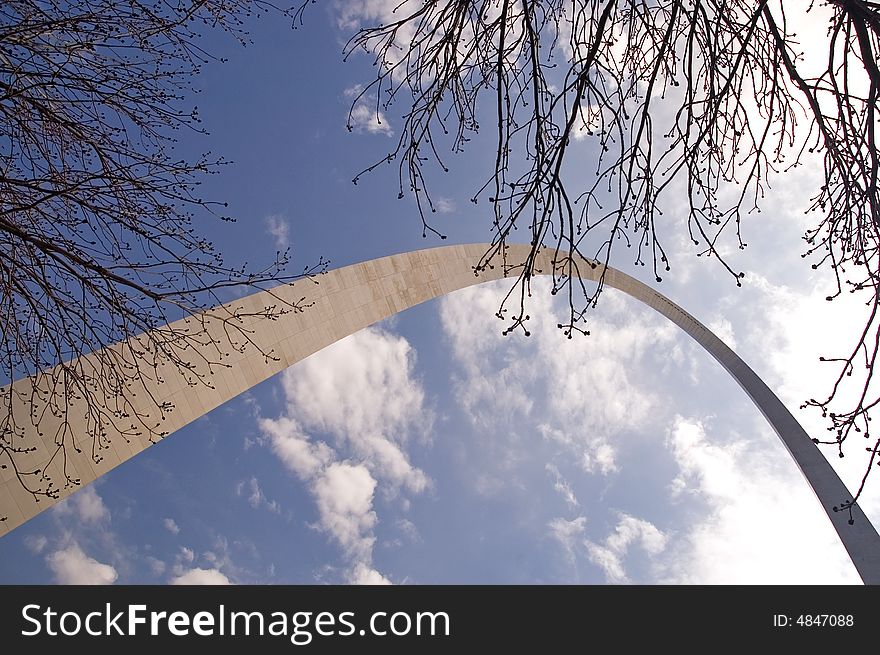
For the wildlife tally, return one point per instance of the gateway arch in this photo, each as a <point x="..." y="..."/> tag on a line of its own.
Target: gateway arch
<point x="349" y="299"/>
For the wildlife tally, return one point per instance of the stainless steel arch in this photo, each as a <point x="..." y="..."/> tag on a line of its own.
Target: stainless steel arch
<point x="353" y="297"/>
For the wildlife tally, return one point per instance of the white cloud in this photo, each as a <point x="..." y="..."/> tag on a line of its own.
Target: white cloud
<point x="355" y="13"/>
<point x="360" y="392"/>
<point x="212" y="567"/>
<point x="364" y="575"/>
<point x="171" y="525"/>
<point x="798" y="326"/>
<point x="36" y="543"/>
<point x="344" y="494"/>
<point x="72" y="566"/>
<point x="199" y="576"/>
<point x="278" y="227"/>
<point x="610" y="554"/>
<point x="610" y="563"/>
<point x="762" y="524"/>
<point x="759" y="514"/>
<point x="582" y="394"/>
<point x="86" y="505"/>
<point x="364" y="118"/>
<point x="292" y="446"/>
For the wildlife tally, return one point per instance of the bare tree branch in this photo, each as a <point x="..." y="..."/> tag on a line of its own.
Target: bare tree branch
<point x="708" y="96"/>
<point x="99" y="242"/>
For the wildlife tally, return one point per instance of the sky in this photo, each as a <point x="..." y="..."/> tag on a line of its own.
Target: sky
<point x="430" y="449"/>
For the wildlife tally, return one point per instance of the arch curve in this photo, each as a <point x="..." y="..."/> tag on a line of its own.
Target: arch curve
<point x="348" y="299"/>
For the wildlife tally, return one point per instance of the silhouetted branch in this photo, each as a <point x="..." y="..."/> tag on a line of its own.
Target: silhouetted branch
<point x="98" y="243"/>
<point x="708" y="96"/>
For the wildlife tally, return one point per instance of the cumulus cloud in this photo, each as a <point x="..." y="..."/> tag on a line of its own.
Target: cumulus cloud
<point x="364" y="118"/>
<point x="360" y="393"/>
<point x="762" y="524"/>
<point x="352" y="14"/>
<point x="210" y="567"/>
<point x="171" y="525"/>
<point x="751" y="519"/>
<point x="741" y="477"/>
<point x="364" y="575"/>
<point x="83" y="523"/>
<point x="796" y="328"/>
<point x="199" y="576"/>
<point x="303" y="457"/>
<point x="580" y="395"/>
<point x="344" y="494"/>
<point x="86" y="505"/>
<point x="71" y="565"/>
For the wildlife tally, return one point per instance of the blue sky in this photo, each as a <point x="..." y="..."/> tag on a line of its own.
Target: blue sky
<point x="628" y="456"/>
